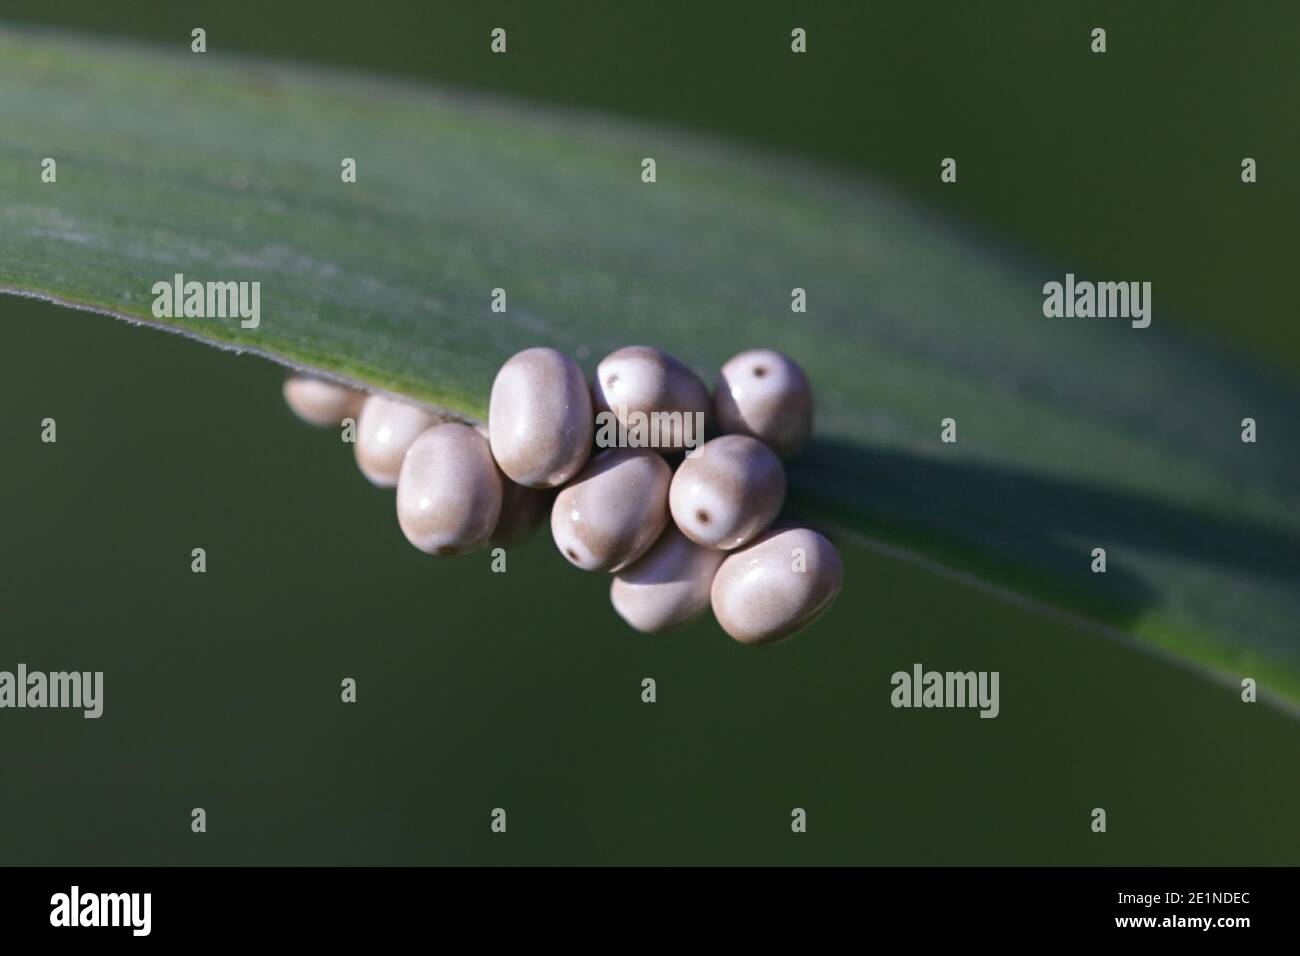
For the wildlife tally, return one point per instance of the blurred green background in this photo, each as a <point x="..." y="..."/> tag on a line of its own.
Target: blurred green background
<point x="522" y="690"/>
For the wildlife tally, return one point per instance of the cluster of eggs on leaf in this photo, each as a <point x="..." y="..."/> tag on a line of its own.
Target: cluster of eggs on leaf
<point x="682" y="526"/>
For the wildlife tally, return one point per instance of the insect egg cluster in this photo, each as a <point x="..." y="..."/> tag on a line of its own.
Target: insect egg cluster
<point x="622" y="467"/>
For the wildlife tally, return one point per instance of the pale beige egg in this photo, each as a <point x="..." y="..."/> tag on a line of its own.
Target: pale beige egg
<point x="611" y="513"/>
<point x="667" y="586"/>
<point x="386" y="428"/>
<point x="660" y="402"/>
<point x="319" y="401"/>
<point x="728" y="493"/>
<point x="776" y="586"/>
<point x="764" y="394"/>
<point x="540" y="418"/>
<point x="449" y="490"/>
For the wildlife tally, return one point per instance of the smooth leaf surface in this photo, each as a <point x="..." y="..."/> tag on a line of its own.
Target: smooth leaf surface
<point x="1072" y="433"/>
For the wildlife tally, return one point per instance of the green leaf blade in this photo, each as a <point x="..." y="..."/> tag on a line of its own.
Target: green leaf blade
<point x="1072" y="434"/>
